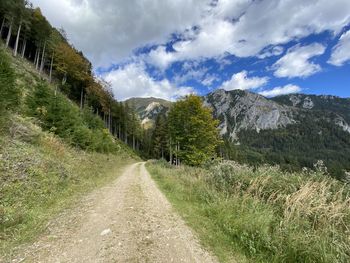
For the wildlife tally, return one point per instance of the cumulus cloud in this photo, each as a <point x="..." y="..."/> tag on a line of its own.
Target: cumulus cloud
<point x="251" y="26"/>
<point x="296" y="63"/>
<point x="132" y="80"/>
<point x="278" y="91"/>
<point x="242" y="81"/>
<point x="109" y="30"/>
<point x="341" y="52"/>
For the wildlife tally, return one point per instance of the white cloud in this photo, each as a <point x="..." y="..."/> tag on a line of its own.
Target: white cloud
<point x="274" y="51"/>
<point x="109" y="30"/>
<point x="242" y="81"/>
<point x="288" y="89"/>
<point x="209" y="80"/>
<point x="192" y="74"/>
<point x="160" y="58"/>
<point x="341" y="52"/>
<point x="132" y="80"/>
<point x="245" y="28"/>
<point x="296" y="63"/>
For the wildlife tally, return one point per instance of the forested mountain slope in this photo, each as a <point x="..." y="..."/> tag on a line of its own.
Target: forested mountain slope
<point x="293" y="131"/>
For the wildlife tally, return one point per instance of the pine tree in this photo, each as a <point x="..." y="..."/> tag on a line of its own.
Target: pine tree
<point x="160" y="138"/>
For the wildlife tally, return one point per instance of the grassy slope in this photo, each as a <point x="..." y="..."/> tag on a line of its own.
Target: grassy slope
<point x="40" y="174"/>
<point x="261" y="215"/>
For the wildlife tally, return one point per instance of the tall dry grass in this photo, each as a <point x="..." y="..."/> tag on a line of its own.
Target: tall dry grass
<point x="271" y="215"/>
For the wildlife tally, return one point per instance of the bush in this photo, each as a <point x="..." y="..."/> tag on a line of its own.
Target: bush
<point x="60" y="116"/>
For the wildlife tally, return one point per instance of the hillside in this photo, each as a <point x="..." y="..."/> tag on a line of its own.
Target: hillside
<point x="329" y="104"/>
<point x="51" y="152"/>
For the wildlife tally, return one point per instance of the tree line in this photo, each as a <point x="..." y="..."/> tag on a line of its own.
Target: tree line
<point x="29" y="35"/>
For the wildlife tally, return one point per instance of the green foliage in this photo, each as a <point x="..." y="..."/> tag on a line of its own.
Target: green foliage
<point x="262" y="214"/>
<point x="160" y="138"/>
<point x="58" y="61"/>
<point x="192" y="131"/>
<point x="9" y="91"/>
<point x="297" y="146"/>
<point x="60" y="116"/>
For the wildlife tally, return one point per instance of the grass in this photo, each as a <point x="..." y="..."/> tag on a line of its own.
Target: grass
<point x="48" y="152"/>
<point x="261" y="215"/>
<point x="40" y="175"/>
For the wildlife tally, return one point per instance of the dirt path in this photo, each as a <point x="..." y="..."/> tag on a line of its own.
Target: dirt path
<point x="128" y="221"/>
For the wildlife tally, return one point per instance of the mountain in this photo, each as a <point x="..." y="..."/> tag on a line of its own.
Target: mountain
<point x="240" y="110"/>
<point x="293" y="131"/>
<point x="148" y="109"/>
<point x="325" y="103"/>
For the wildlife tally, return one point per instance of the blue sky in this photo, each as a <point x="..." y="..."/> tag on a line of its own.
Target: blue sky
<point x="166" y="48"/>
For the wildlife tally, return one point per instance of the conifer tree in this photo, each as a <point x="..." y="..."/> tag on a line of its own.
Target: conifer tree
<point x="160" y="138"/>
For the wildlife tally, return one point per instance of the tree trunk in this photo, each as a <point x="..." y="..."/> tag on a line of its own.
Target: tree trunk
<point x="9" y="35"/>
<point x="43" y="59"/>
<point x="24" y="47"/>
<point x="126" y="136"/>
<point x="36" y="56"/>
<point x="176" y="155"/>
<point x="51" y="65"/>
<point x="170" y="153"/>
<point x="115" y="131"/>
<point x="37" y="59"/>
<point x="119" y="131"/>
<point x="17" y="39"/>
<point x="81" y="98"/>
<point x="133" y="142"/>
<point x="109" y="120"/>
<point x="64" y="79"/>
<point x="2" y="27"/>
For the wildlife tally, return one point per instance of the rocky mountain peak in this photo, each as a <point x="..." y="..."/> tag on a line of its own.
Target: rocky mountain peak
<point x="239" y="110"/>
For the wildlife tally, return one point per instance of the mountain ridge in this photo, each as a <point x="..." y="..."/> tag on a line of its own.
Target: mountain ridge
<point x="239" y="110"/>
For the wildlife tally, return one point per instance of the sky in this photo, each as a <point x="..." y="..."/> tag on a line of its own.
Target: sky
<point x="170" y="48"/>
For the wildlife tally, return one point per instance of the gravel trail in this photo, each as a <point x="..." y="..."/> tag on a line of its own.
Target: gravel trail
<point x="129" y="220"/>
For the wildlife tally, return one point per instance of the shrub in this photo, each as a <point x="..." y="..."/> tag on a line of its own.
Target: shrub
<point x="60" y="116"/>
